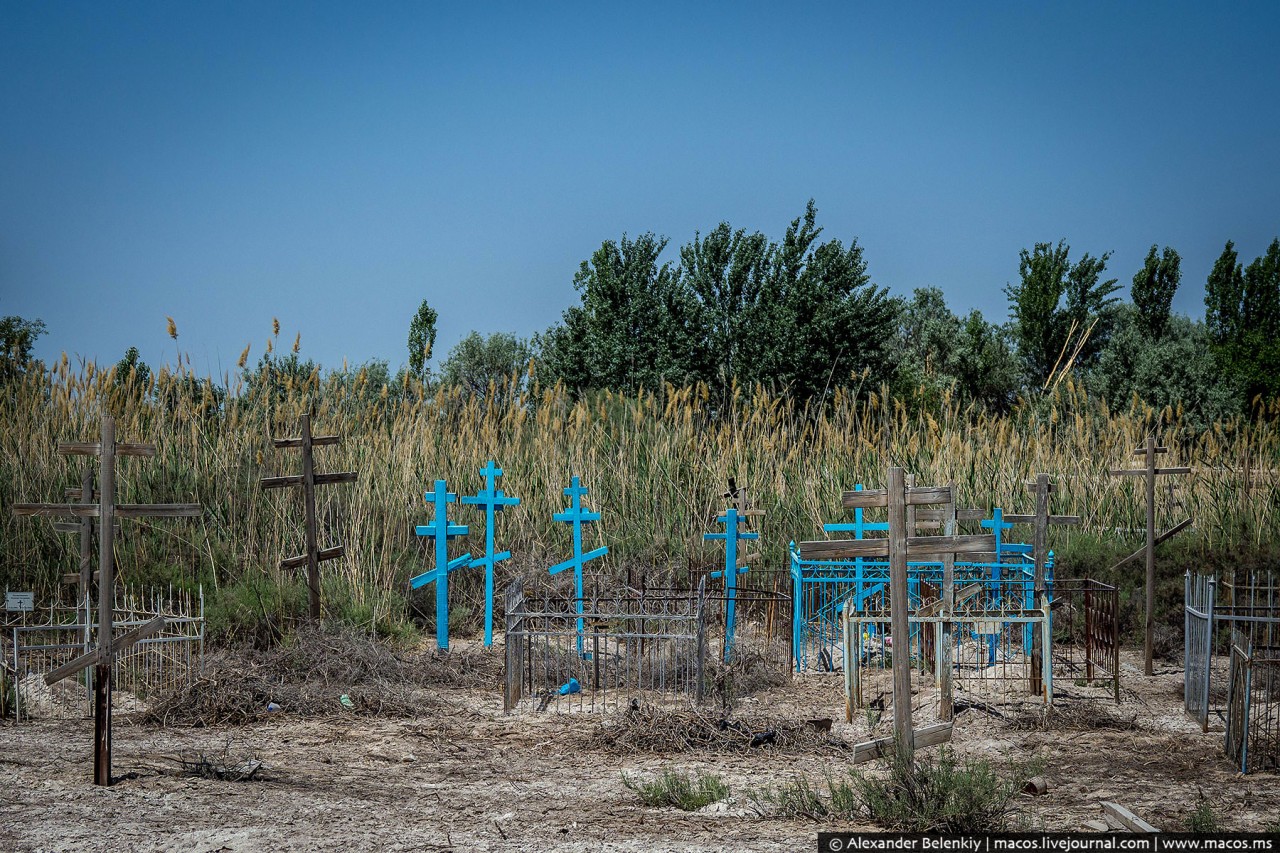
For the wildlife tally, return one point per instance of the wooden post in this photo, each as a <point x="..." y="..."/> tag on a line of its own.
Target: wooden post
<point x="946" y="628"/>
<point x="1149" y="471"/>
<point x="898" y="614"/>
<point x="106" y="604"/>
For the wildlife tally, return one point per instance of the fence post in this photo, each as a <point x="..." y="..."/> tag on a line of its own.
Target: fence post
<point x="700" y="665"/>
<point x="1208" y="652"/>
<point x="512" y="646"/>
<point x="1047" y="645"/>
<point x="847" y="627"/>
<point x="1088" y="630"/>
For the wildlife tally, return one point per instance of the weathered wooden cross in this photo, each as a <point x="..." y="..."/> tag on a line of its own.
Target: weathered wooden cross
<point x="1042" y="488"/>
<point x="308" y="480"/>
<point x="442" y="530"/>
<point x="106" y="511"/>
<point x="1150" y="472"/>
<point x="577" y="515"/>
<point x="493" y="500"/>
<point x="733" y="564"/>
<point x="898" y="547"/>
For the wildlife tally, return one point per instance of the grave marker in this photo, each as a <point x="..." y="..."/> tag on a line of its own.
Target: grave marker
<point x="733" y="565"/>
<point x="308" y="480"/>
<point x="493" y="501"/>
<point x="442" y="530"/>
<point x="577" y="515"/>
<point x="106" y="511"/>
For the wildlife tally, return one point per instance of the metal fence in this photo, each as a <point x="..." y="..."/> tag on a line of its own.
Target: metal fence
<point x="161" y="661"/>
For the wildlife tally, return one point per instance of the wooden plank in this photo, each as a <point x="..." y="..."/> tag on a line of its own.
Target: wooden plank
<point x="927" y="736"/>
<point x="340" y="477"/>
<point x="281" y="482"/>
<point x="970" y="514"/>
<point x="118" y="645"/>
<point x="66" y="527"/>
<point x="843" y="549"/>
<point x="331" y="553"/>
<point x="923" y="496"/>
<point x="902" y="727"/>
<point x="751" y="513"/>
<point x="125" y="448"/>
<point x="79" y="448"/>
<point x="865" y="499"/>
<point x="72" y="580"/>
<point x="53" y="510"/>
<point x="318" y="440"/>
<point x="942" y="514"/>
<point x="919" y="546"/>
<point x="1127" y="819"/>
<point x="1142" y="472"/>
<point x="1035" y="485"/>
<point x="159" y="510"/>
<point x="1142" y="451"/>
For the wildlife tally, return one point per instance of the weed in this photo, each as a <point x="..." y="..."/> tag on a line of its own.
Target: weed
<point x="685" y="792"/>
<point x="1202" y="819"/>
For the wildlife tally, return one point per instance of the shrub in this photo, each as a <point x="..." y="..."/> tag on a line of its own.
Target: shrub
<point x="681" y="790"/>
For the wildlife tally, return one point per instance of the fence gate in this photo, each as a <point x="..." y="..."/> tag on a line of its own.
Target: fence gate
<point x="1253" y="706"/>
<point x="649" y="646"/>
<point x="1197" y="656"/>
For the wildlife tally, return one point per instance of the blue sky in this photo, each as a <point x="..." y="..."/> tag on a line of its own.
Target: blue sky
<point x="333" y="165"/>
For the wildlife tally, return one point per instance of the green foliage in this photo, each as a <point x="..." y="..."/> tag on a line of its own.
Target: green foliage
<point x="17" y="337"/>
<point x="1179" y="370"/>
<point x="488" y="366"/>
<point x="1059" y="307"/>
<point x="422" y="339"/>
<point x="1202" y="819"/>
<point x="1153" y="288"/>
<point x="943" y="795"/>
<point x="132" y="373"/>
<point x="800" y="313"/>
<point x="685" y="792"/>
<point x="1242" y="313"/>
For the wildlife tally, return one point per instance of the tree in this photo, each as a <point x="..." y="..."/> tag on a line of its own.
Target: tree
<point x="131" y="371"/>
<point x="17" y="338"/>
<point x="422" y="338"/>
<point x="1223" y="299"/>
<point x="1242" y="314"/>
<point x="1153" y="288"/>
<point x="1047" y="331"/>
<point x="477" y="363"/>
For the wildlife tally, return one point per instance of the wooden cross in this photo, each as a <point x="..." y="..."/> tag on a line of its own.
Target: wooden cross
<point x="1042" y="488"/>
<point x="733" y="564"/>
<point x="308" y="480"/>
<point x="577" y="515"/>
<point x="442" y="530"/>
<point x="494" y="501"/>
<point x="106" y="511"/>
<point x="899" y="546"/>
<point x="1150" y="472"/>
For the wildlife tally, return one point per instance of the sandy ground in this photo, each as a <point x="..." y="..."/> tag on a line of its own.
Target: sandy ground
<point x="473" y="779"/>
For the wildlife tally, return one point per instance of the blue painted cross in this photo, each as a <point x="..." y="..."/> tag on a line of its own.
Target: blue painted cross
<point x="858" y="528"/>
<point x="731" y="570"/>
<point x="576" y="515"/>
<point x="443" y="531"/>
<point x="493" y="501"/>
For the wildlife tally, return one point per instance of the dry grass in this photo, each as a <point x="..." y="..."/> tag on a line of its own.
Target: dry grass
<point x="655" y="463"/>
<point x="649" y="730"/>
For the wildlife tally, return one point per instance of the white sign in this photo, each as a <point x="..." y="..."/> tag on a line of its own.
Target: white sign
<point x="20" y="601"/>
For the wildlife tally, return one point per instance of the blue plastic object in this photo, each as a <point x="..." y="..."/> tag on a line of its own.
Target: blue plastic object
<point x="571" y="686"/>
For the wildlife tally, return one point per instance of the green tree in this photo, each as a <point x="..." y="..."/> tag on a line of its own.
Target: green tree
<point x="499" y="362"/>
<point x="1060" y="309"/>
<point x="1153" y="288"/>
<point x="1224" y="298"/>
<point x="1242" y="314"/>
<point x="132" y="371"/>
<point x="422" y="339"/>
<point x="17" y="338"/>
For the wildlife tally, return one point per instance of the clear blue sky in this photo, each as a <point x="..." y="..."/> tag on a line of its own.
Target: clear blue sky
<point x="334" y="164"/>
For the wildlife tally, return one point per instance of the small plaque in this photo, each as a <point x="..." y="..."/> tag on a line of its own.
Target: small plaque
<point x="20" y="601"/>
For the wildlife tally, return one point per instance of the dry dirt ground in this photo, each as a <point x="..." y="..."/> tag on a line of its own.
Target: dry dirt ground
<point x="473" y="779"/>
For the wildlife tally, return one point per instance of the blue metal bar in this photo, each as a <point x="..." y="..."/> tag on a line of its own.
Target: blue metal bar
<point x="493" y="501"/>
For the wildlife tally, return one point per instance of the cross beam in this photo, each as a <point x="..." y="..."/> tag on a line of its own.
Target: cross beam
<point x="492" y="500"/>
<point x="308" y="480"/>
<point x="442" y="530"/>
<point x="106" y="511"/>
<point x="1149" y="472"/>
<point x="577" y="515"/>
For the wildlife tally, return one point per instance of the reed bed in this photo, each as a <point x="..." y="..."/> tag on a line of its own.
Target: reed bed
<point x="656" y="464"/>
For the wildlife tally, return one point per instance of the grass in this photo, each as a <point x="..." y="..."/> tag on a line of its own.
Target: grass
<point x="1203" y="819"/>
<point x="935" y="795"/>
<point x="685" y="792"/>
<point x="656" y="464"/>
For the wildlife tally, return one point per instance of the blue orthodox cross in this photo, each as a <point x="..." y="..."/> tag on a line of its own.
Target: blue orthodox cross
<point x="731" y="570"/>
<point x="493" y="501"/>
<point x="443" y="531"/>
<point x="576" y="515"/>
<point x="858" y="528"/>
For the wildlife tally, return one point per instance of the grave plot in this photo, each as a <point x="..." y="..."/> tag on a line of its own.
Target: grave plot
<point x="1231" y="669"/>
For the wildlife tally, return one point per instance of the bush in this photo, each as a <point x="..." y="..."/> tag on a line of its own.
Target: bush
<point x="1202" y="818"/>
<point x="683" y="791"/>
